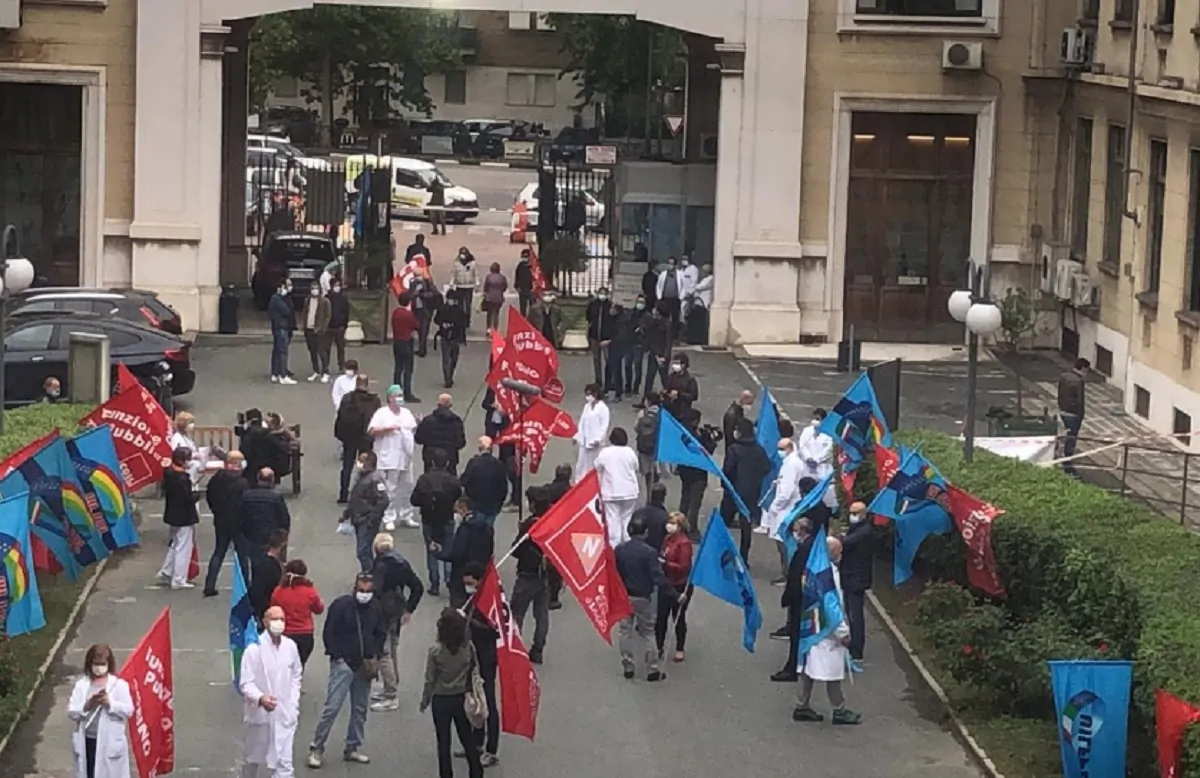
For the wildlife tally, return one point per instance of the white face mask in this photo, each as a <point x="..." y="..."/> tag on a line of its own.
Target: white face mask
<point x="190" y="428"/>
<point x="363" y="597"/>
<point x="672" y="529"/>
<point x="469" y="589"/>
<point x="99" y="670"/>
<point x="676" y="367"/>
<point x="855" y="518"/>
<point x="350" y="374"/>
<point x="589" y="398"/>
<point x="316" y="292"/>
<point x="275" y="627"/>
<point x="815" y="422"/>
<point x="799" y="536"/>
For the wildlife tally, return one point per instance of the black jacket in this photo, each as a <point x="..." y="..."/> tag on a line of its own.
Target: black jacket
<point x="451" y="322"/>
<point x="434" y="495"/>
<point x="262" y="512"/>
<point x="265" y="574"/>
<point x="339" y="310"/>
<point x="353" y="415"/>
<point x="858" y="557"/>
<point x="793" y="588"/>
<point x="224" y="497"/>
<point x="746" y="465"/>
<point x="179" y="509"/>
<point x="556" y="489"/>
<point x="474" y="541"/>
<point x="485" y="482"/>
<point x="688" y="392"/>
<point x="441" y="429"/>
<point x="641" y="570"/>
<point x="523" y="277"/>
<point x="820" y="515"/>
<point x="650" y="287"/>
<point x="483" y="638"/>
<point x="531" y="562"/>
<point x="600" y="320"/>
<point x="735" y="412"/>
<point x="656" y="334"/>
<point x="280" y="313"/>
<point x="393" y="577"/>
<point x="417" y="250"/>
<point x="264" y="448"/>
<point x="655" y="517"/>
<point x="354" y="632"/>
<point x="625" y="329"/>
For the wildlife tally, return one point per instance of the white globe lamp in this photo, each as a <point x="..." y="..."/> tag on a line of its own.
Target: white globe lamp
<point x="984" y="319"/>
<point x="18" y="275"/>
<point x="959" y="304"/>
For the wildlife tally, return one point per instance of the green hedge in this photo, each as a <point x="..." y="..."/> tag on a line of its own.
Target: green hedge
<point x="1088" y="573"/>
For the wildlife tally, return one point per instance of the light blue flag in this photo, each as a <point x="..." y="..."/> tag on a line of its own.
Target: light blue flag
<point x="1091" y="698"/>
<point x="821" y="605"/>
<point x="677" y="446"/>
<point x="20" y="601"/>
<point x="98" y="469"/>
<point x="243" y="629"/>
<point x="766" y="434"/>
<point x="720" y="571"/>
<point x="856" y="424"/>
<point x="917" y="501"/>
<point x="810" y="500"/>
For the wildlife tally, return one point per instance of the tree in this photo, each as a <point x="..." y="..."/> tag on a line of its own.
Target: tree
<point x="375" y="57"/>
<point x="620" y="62"/>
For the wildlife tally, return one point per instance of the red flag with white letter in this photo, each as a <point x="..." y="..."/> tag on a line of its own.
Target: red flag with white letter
<point x="151" y="684"/>
<point x="534" y="428"/>
<point x="974" y="518"/>
<point x="573" y="538"/>
<point x="528" y="357"/>
<point x="1173" y="716"/>
<point x="520" y="692"/>
<point x="140" y="428"/>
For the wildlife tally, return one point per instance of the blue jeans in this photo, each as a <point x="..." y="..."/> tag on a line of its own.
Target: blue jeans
<point x="342" y="682"/>
<point x="281" y="340"/>
<point x="444" y="537"/>
<point x="364" y="540"/>
<point x="1072" y="423"/>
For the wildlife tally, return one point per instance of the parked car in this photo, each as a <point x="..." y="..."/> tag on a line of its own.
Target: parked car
<point x="287" y="150"/>
<point x="411" y="179"/>
<point x="592" y="202"/>
<point x="571" y="144"/>
<point x="292" y="123"/>
<point x="476" y="126"/>
<point x="36" y="346"/>
<point x="299" y="256"/>
<point x="489" y="144"/>
<point x="133" y="305"/>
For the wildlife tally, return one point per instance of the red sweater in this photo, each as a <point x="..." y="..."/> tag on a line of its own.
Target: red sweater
<point x="677" y="559"/>
<point x="299" y="603"/>
<point x="404" y="324"/>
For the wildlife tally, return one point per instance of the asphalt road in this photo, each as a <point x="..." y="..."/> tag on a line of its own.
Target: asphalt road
<point x="718" y="714"/>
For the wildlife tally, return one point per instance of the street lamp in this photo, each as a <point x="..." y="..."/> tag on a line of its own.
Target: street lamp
<point x="982" y="318"/>
<point x="16" y="275"/>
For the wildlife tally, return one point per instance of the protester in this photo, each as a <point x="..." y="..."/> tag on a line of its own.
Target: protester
<point x="641" y="571"/>
<point x="555" y="491"/>
<point x="792" y="598"/>
<point x="223" y="493"/>
<point x="418" y="249"/>
<point x="441" y="430"/>
<point x="180" y="514"/>
<point x="513" y="468"/>
<point x="452" y="324"/>
<point x="434" y="496"/>
<point x="680" y="389"/>
<point x="523" y="282"/>
<point x="670" y="291"/>
<point x="399" y="591"/>
<point x="494" y="287"/>
<point x="816" y="450"/>
<point x="532" y="586"/>
<point x="1072" y="406"/>
<point x="546" y="316"/>
<point x="699" y="305"/>
<point x="449" y="667"/>
<point x="269" y="681"/>
<point x="653" y="516"/>
<point x="484" y="482"/>
<point x="694" y="480"/>
<point x="344" y="384"/>
<point x="393" y="427"/>
<point x="735" y="413"/>
<point x="353" y="636"/>
<point x="746" y="466"/>
<point x="820" y="514"/>
<point x="282" y="317"/>
<point x="592" y="430"/>
<point x="182" y="434"/>
<point x="649" y="278"/>
<point x="617" y="466"/>
<point x="100" y="708"/>
<point x="404" y="328"/>
<point x="267" y="573"/>
<point x="655" y="328"/>
<point x="826" y="662"/>
<point x="367" y="506"/>
<point x="262" y="513"/>
<point x="426" y="302"/>
<point x="600" y="324"/>
<point x="317" y="314"/>
<point x="465" y="280"/>
<point x="787" y="497"/>
<point x="484" y="638"/>
<point x="355" y="412"/>
<point x="676" y="555"/>
<point x="474" y="543"/>
<point x="339" y="320"/>
<point x="298" y="599"/>
<point x="273" y="449"/>
<point x="857" y="571"/>
<point x="52" y="390"/>
<point x="645" y="433"/>
<point x="622" y="352"/>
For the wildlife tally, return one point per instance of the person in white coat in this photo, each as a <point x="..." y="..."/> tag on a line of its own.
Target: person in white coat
<point x="787" y="497"/>
<point x="182" y="437"/>
<point x="620" y="485"/>
<point x="393" y="427"/>
<point x="345" y="383"/>
<point x="100" y="707"/>
<point x="671" y="291"/>
<point x="827" y="661"/>
<point x="592" y="431"/>
<point x="270" y="679"/>
<point x="816" y="449"/>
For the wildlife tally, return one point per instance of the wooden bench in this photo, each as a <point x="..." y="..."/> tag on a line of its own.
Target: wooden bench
<point x="225" y="438"/>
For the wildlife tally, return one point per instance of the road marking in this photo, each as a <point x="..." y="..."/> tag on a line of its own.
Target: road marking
<point x="82" y="650"/>
<point x="166" y="587"/>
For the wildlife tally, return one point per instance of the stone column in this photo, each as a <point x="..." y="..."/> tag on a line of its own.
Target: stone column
<point x="729" y="145"/>
<point x="234" y="257"/>
<point x="208" y="287"/>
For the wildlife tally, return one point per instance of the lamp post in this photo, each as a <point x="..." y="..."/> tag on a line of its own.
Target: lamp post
<point x="982" y="318"/>
<point x="16" y="275"/>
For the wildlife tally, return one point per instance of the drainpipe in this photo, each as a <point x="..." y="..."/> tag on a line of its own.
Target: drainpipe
<point x="1131" y="92"/>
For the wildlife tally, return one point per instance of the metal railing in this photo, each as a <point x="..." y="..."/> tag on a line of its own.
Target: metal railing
<point x="1161" y="477"/>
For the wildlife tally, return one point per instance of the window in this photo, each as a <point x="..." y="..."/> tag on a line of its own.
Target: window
<point x="1166" y="12"/>
<point x="1091" y="10"/>
<point x="1114" y="195"/>
<point x="1141" y="402"/>
<point x="116" y="338"/>
<point x="519" y="20"/>
<point x="534" y="89"/>
<point x="1188" y="345"/>
<point x="33" y="338"/>
<point x="467" y="19"/>
<point x="409" y="179"/>
<point x="1191" y="281"/>
<point x="944" y="8"/>
<point x="1104" y="362"/>
<point x="1181" y="426"/>
<point x="1082" y="187"/>
<point x="456" y="88"/>
<point x="1155" y="207"/>
<point x="1123" y="11"/>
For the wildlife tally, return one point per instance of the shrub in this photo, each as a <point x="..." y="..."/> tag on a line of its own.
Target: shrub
<point x="10" y="669"/>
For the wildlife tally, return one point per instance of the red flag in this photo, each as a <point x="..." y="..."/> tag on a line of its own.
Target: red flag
<point x="125" y="379"/>
<point x="529" y="357"/>
<point x="194" y="562"/>
<point x="520" y="692"/>
<point x="140" y="428"/>
<point x="539" y="278"/>
<point x="887" y="464"/>
<point x="43" y="560"/>
<point x="537" y="424"/>
<point x="573" y="538"/>
<point x="402" y="281"/>
<point x="149" y="675"/>
<point x="847" y="476"/>
<point x="497" y="346"/>
<point x="1172" y="716"/>
<point x="974" y="518"/>
<point x="18" y="457"/>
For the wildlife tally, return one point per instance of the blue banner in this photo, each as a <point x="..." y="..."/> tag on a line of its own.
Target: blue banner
<point x="720" y="571"/>
<point x="917" y="501"/>
<point x="767" y="435"/>
<point x="856" y="423"/>
<point x="20" y="601"/>
<point x="677" y="446"/>
<point x="99" y="472"/>
<point x="811" y="499"/>
<point x="1091" y="699"/>
<point x="243" y="628"/>
<point x="821" y="604"/>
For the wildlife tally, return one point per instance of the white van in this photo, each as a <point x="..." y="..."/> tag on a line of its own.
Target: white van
<point x="411" y="179"/>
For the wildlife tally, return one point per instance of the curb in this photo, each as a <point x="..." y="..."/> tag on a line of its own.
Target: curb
<point x="964" y="734"/>
<point x="52" y="655"/>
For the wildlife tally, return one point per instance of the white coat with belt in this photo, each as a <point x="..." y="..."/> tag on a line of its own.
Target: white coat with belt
<point x="817" y="448"/>
<point x="787" y="492"/>
<point x="112" y="741"/>
<point x="271" y="669"/>
<point x="590" y="437"/>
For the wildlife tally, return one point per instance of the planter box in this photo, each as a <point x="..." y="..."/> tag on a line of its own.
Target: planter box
<point x="369" y="307"/>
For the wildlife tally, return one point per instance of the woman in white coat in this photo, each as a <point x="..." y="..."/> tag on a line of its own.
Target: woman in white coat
<point x="827" y="661"/>
<point x="100" y="707"/>
<point x="592" y="431"/>
<point x="816" y="451"/>
<point x="787" y="497"/>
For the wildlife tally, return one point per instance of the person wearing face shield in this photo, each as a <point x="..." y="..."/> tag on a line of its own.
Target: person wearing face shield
<point x="99" y="708"/>
<point x="858" y="563"/>
<point x="269" y="680"/>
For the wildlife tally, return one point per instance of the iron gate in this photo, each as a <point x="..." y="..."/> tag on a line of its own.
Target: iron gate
<point x="575" y="228"/>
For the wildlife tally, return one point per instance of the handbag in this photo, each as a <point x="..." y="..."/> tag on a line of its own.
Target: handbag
<point x="475" y="700"/>
<point x="370" y="667"/>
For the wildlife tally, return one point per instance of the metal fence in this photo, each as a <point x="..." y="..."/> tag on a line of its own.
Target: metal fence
<point x="282" y="195"/>
<point x="576" y="211"/>
<point x="1159" y="476"/>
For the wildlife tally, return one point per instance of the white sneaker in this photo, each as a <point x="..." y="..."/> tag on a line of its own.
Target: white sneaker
<point x="409" y="523"/>
<point x="385" y="705"/>
<point x="389" y="526"/>
<point x="313" y="377"/>
<point x="274" y="379"/>
<point x="325" y="378"/>
<point x="288" y="380"/>
<point x="184" y="585"/>
<point x="761" y="530"/>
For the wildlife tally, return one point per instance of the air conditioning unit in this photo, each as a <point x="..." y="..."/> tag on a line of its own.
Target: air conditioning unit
<point x="1076" y="47"/>
<point x="1064" y="282"/>
<point x="962" y="55"/>
<point x="708" y="145"/>
<point x="1084" y="294"/>
<point x="1048" y="264"/>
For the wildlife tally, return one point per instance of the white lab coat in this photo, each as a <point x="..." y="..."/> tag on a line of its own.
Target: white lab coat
<point x="112" y="743"/>
<point x="818" y="447"/>
<point x="826" y="661"/>
<point x="195" y="468"/>
<point x="704" y="292"/>
<point x="691" y="277"/>
<point x="342" y="386"/>
<point x="590" y="437"/>
<point x="270" y="669"/>
<point x="787" y="492"/>
<point x="680" y="282"/>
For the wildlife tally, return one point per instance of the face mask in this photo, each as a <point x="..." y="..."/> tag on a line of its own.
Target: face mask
<point x="588" y="398"/>
<point x="99" y="670"/>
<point x="335" y="289"/>
<point x="54" y="392"/>
<point x="683" y="263"/>
<point x="363" y="597"/>
<point x="602" y="298"/>
<point x="315" y="292"/>
<point x="676" y="367"/>
<point x="640" y="306"/>
<point x="671" y="265"/>
<point x="815" y="422"/>
<point x="855" y="518"/>
<point x="548" y="299"/>
<point x="190" y="428"/>
<point x="470" y="589"/>
<point x="275" y="627"/>
<point x="799" y="536"/>
<point x="672" y="529"/>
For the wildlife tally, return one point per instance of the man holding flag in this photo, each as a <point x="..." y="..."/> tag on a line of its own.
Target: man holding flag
<point x="641" y="572"/>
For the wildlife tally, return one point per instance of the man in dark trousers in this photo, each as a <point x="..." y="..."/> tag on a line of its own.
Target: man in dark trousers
<point x="532" y="584"/>
<point x="735" y="413"/>
<point x="441" y="430"/>
<point x="266" y="573"/>
<point x="262" y="513"/>
<point x="555" y="490"/>
<point x="474" y="542"/>
<point x="485" y="482"/>
<point x="1072" y="404"/>
<point x="437" y="205"/>
<point x="745" y="465"/>
<point x="339" y="319"/>
<point x="399" y="591"/>
<point x="224" y="497"/>
<point x="600" y="328"/>
<point x="680" y="388"/>
<point x="350" y="428"/>
<point x="282" y="316"/>
<point x="434" y="496"/>
<point x="654" y="516"/>
<point x="418" y="249"/>
<point x="856" y="568"/>
<point x="451" y="323"/>
<point x="404" y="328"/>
<point x="655" y="338"/>
<point x="641" y="571"/>
<point x="792" y="599"/>
<point x="523" y="282"/>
